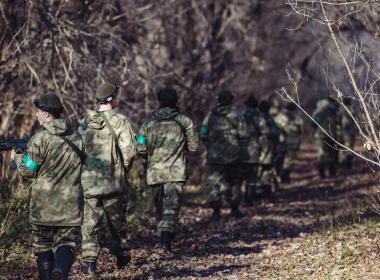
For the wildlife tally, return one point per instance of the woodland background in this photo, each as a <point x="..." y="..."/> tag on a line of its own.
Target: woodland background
<point x="258" y="47"/>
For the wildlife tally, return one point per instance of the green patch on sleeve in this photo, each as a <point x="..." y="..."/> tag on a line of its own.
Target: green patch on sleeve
<point x="203" y="129"/>
<point x="141" y="139"/>
<point x="29" y="163"/>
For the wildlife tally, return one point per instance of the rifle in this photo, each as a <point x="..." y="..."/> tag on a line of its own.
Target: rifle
<point x="20" y="145"/>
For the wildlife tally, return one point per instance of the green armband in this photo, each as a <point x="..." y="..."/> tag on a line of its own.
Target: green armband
<point x="29" y="163"/>
<point x="141" y="139"/>
<point x="204" y="129"/>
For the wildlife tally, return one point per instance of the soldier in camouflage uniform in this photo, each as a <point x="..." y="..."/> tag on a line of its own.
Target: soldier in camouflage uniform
<point x="291" y="125"/>
<point x="348" y="134"/>
<point x="110" y="147"/>
<point x="53" y="165"/>
<point x="328" y="116"/>
<point x="221" y="130"/>
<point x="251" y="147"/>
<point x="165" y="138"/>
<point x="267" y="173"/>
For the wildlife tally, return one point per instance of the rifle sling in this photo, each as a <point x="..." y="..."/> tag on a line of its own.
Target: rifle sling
<point x="80" y="154"/>
<point x="110" y="128"/>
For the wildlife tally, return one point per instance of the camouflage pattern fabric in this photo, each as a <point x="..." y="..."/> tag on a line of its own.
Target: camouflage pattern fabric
<point x="227" y="176"/>
<point x="249" y="173"/>
<point x="221" y="131"/>
<point x="267" y="174"/>
<point x="104" y="171"/>
<point x="349" y="131"/>
<point x="56" y="197"/>
<point x="165" y="139"/>
<point x="102" y="215"/>
<point x="328" y="116"/>
<point x="167" y="198"/>
<point x="291" y="126"/>
<point x="46" y="238"/>
<point x="258" y="131"/>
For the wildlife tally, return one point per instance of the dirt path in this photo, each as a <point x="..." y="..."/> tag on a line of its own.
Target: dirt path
<point x="311" y="229"/>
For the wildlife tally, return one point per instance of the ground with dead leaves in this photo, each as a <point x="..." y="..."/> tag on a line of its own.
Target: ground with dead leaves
<point x="311" y="229"/>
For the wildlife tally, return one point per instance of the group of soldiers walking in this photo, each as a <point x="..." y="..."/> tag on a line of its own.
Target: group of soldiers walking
<point x="78" y="178"/>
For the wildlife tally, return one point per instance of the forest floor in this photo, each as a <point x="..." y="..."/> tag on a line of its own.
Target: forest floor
<point x="310" y="229"/>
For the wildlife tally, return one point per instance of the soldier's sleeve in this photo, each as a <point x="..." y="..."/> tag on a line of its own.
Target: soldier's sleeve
<point x="191" y="135"/>
<point x="242" y="127"/>
<point x="142" y="139"/>
<point x="127" y="142"/>
<point x="28" y="164"/>
<point x="204" y="129"/>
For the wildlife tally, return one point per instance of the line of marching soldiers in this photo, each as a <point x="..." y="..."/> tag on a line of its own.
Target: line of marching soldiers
<point x="78" y="178"/>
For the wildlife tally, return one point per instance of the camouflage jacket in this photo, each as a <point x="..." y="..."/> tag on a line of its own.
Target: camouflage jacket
<point x="56" y="196"/>
<point x="105" y="168"/>
<point x="270" y="143"/>
<point x="328" y="116"/>
<point x="221" y="130"/>
<point x="258" y="133"/>
<point x="291" y="125"/>
<point x="165" y="138"/>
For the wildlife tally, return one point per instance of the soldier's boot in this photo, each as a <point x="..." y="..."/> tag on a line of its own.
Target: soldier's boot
<point x="165" y="241"/>
<point x="285" y="176"/>
<point x="321" y="169"/>
<point x="332" y="169"/>
<point x="89" y="267"/>
<point x="63" y="260"/>
<point x="215" y="216"/>
<point x="123" y="261"/>
<point x="248" y="196"/>
<point x="45" y="263"/>
<point x="235" y="212"/>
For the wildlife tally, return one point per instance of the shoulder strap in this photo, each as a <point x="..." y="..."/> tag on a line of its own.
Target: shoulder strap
<point x="80" y="154"/>
<point x="226" y="118"/>
<point x="109" y="126"/>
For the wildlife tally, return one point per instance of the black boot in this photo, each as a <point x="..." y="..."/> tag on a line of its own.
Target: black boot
<point x="285" y="176"/>
<point x="89" y="268"/>
<point x="248" y="196"/>
<point x="63" y="260"/>
<point x="321" y="169"/>
<point x="215" y="216"/>
<point x="332" y="169"/>
<point x="235" y="212"/>
<point x="165" y="241"/>
<point x="122" y="261"/>
<point x="45" y="263"/>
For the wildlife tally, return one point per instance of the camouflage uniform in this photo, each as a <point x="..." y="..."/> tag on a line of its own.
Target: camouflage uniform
<point x="251" y="150"/>
<point x="221" y="130"/>
<point x="56" y="197"/>
<point x="327" y="115"/>
<point x="291" y="126"/>
<point x="267" y="174"/>
<point x="165" y="138"/>
<point x="104" y="181"/>
<point x="348" y="136"/>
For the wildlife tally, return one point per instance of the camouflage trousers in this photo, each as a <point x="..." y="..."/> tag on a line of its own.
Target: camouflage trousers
<point x="346" y="157"/>
<point x="227" y="175"/>
<point x="267" y="179"/>
<point x="249" y="173"/>
<point x="289" y="158"/>
<point x="328" y="155"/>
<point x="46" y="238"/>
<point x="167" y="198"/>
<point x="104" y="216"/>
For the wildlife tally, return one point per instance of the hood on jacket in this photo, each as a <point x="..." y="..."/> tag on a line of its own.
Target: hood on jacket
<point x="57" y="126"/>
<point x="165" y="113"/>
<point x="223" y="110"/>
<point x="93" y="119"/>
